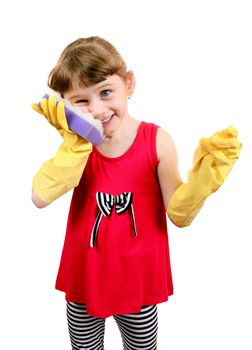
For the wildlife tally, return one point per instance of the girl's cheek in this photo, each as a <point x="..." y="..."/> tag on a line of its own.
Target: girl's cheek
<point x="84" y="109"/>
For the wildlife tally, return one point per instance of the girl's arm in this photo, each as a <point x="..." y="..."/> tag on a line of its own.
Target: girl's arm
<point x="38" y="201"/>
<point x="168" y="172"/>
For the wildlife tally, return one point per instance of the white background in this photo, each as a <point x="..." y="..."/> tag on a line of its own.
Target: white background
<point x="193" y="65"/>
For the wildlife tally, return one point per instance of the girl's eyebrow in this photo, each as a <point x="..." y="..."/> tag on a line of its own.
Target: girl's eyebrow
<point x="74" y="96"/>
<point x="104" y="86"/>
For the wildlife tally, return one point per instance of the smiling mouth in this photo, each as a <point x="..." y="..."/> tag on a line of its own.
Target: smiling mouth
<point x="106" y="120"/>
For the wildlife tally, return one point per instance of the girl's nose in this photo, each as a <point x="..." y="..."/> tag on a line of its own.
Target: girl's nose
<point x="96" y="109"/>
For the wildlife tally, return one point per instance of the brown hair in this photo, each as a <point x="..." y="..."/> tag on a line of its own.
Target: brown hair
<point x="89" y="60"/>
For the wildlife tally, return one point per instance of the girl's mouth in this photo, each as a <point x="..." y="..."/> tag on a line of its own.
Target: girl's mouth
<point x="107" y="120"/>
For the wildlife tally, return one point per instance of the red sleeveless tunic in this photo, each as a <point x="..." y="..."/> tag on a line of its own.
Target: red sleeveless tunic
<point x="115" y="257"/>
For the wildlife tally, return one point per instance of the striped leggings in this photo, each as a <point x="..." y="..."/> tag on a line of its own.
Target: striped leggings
<point x="138" y="331"/>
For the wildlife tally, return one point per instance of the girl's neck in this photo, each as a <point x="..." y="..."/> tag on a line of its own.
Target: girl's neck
<point x="121" y="141"/>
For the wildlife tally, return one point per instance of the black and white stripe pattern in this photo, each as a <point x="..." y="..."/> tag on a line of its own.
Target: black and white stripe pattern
<point x="86" y="332"/>
<point x="138" y="331"/>
<point x="105" y="202"/>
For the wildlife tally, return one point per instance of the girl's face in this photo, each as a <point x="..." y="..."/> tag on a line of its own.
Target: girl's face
<point x="106" y="101"/>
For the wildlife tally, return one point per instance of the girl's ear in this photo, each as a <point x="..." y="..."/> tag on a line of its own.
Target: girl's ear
<point x="130" y="82"/>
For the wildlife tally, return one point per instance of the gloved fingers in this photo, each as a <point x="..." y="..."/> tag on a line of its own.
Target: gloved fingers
<point x="221" y="143"/>
<point x="37" y="108"/>
<point x="225" y="141"/>
<point x="61" y="116"/>
<point x="230" y="131"/>
<point x="233" y="153"/>
<point x="222" y="154"/>
<point x="45" y="109"/>
<point x="225" y="138"/>
<point x="52" y="109"/>
<point x="231" y="147"/>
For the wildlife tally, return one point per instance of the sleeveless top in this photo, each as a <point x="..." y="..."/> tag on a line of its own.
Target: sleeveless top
<point x="115" y="257"/>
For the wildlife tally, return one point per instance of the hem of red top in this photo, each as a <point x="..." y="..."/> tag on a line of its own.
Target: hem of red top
<point x="121" y="310"/>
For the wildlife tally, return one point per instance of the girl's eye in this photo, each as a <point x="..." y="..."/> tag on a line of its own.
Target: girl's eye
<point x="81" y="102"/>
<point x="105" y="93"/>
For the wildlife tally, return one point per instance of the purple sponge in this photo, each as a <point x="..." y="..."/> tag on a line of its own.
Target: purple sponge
<point x="83" y="124"/>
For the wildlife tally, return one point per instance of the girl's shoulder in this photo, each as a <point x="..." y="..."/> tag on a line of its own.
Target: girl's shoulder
<point x="164" y="144"/>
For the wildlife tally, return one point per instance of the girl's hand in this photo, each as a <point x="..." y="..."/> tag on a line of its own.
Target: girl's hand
<point x="224" y="148"/>
<point x="63" y="172"/>
<point x="213" y="160"/>
<point x="70" y="120"/>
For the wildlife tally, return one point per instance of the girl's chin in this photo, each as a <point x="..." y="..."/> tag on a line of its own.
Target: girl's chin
<point x="110" y="127"/>
<point x="109" y="132"/>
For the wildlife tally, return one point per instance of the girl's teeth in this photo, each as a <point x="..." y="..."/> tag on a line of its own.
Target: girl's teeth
<point x="107" y="119"/>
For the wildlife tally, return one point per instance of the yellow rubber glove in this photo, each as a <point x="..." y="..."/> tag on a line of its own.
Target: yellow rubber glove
<point x="213" y="160"/>
<point x="63" y="172"/>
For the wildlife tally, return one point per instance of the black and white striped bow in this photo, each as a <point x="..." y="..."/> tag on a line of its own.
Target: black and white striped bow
<point x="105" y="203"/>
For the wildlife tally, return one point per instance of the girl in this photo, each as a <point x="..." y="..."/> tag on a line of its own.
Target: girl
<point x="115" y="259"/>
